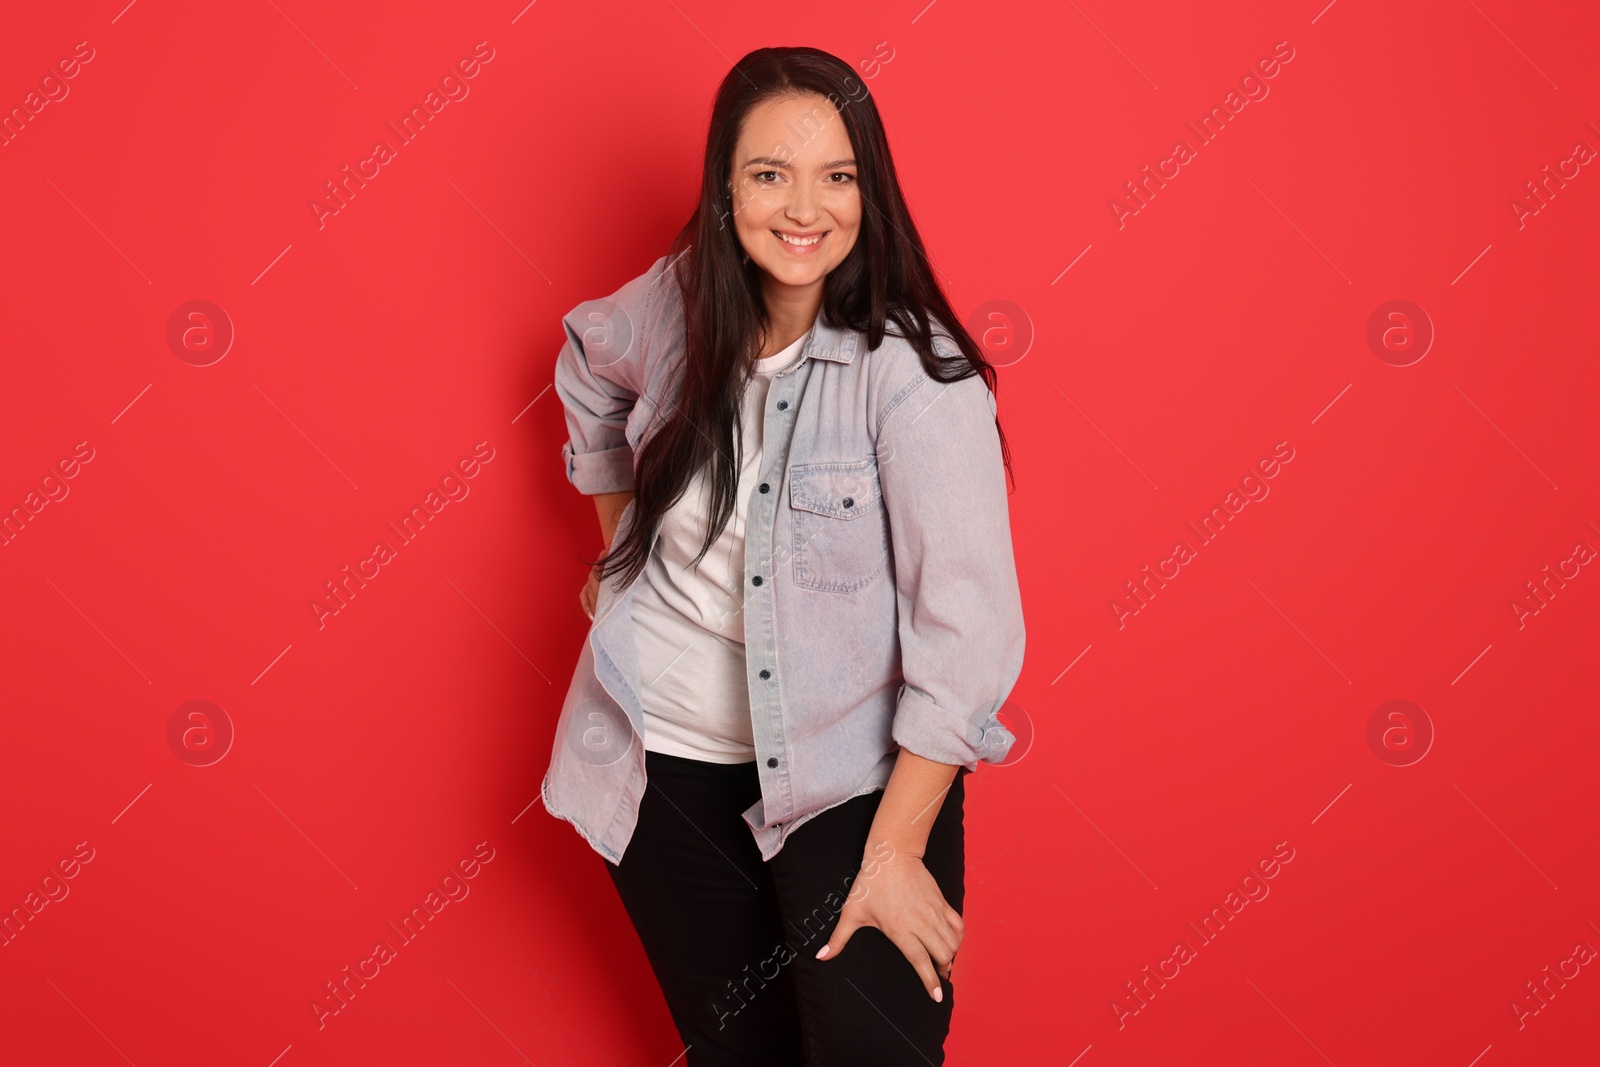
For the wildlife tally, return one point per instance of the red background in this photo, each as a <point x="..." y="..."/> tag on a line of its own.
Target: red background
<point x="371" y="354"/>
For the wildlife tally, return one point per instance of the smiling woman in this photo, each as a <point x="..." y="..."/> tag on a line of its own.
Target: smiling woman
<point x="797" y="210"/>
<point x="807" y="616"/>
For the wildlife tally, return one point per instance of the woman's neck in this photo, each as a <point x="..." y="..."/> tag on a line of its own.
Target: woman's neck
<point x="791" y="310"/>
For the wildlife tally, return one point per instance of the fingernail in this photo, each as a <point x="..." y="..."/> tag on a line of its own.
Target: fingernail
<point x="822" y="953"/>
<point x="938" y="995"/>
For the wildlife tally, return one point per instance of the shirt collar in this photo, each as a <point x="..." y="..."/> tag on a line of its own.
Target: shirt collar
<point x="831" y="342"/>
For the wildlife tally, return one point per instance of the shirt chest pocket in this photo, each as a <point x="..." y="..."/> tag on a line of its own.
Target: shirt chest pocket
<point x="841" y="527"/>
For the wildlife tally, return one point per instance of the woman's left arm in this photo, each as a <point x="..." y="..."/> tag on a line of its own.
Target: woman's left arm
<point x="961" y="644"/>
<point x="893" y="890"/>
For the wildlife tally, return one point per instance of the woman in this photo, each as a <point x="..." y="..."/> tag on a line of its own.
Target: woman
<point x="807" y="615"/>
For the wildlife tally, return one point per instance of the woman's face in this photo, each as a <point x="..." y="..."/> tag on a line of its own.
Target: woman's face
<point x="796" y="207"/>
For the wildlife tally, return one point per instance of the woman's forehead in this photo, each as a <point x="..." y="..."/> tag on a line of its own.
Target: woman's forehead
<point x="802" y="130"/>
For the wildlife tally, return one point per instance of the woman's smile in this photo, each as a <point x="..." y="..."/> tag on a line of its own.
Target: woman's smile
<point x="798" y="244"/>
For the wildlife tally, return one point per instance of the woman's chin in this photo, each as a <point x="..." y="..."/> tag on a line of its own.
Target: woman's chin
<point x="797" y="275"/>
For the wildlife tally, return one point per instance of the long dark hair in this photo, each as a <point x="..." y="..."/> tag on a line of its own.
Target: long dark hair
<point x="885" y="281"/>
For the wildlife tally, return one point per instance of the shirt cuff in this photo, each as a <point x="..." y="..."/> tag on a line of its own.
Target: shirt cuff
<point x="609" y="471"/>
<point x="941" y="735"/>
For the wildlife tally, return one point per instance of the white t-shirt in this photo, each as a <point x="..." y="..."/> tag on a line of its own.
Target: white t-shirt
<point x="689" y="624"/>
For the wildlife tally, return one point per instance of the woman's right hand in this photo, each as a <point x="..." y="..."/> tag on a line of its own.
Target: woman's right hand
<point x="609" y="508"/>
<point x="589" y="595"/>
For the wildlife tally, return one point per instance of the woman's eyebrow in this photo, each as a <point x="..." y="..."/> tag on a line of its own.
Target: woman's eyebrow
<point x="768" y="161"/>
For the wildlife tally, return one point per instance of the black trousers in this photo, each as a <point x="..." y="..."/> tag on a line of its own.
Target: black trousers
<point x="733" y="939"/>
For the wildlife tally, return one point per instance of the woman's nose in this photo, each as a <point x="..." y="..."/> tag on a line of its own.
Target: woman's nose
<point x="803" y="206"/>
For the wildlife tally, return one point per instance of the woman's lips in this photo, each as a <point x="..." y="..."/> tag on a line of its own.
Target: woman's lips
<point x="788" y="240"/>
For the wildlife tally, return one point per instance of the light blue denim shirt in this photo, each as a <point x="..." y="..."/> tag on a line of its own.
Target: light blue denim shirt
<point x="881" y="605"/>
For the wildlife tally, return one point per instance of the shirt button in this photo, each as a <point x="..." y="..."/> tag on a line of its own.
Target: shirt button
<point x="765" y="673"/>
<point x="756" y="580"/>
<point x="772" y="761"/>
<point x="763" y="487"/>
<point x="782" y="405"/>
<point x="849" y="502"/>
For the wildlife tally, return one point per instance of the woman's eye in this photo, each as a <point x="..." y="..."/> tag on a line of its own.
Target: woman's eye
<point x="847" y="178"/>
<point x="762" y="174"/>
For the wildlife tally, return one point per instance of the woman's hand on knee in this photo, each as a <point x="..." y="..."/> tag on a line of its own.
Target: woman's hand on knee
<point x="900" y="898"/>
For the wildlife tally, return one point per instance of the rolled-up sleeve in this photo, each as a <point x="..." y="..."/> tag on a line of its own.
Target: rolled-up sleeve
<point x="598" y="376"/>
<point x="960" y="607"/>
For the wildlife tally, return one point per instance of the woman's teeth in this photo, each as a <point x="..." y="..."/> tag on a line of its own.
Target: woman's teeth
<point x="798" y="240"/>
